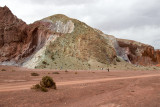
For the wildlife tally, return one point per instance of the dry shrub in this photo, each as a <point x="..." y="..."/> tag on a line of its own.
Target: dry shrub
<point x="46" y="83"/>
<point x="34" y="74"/>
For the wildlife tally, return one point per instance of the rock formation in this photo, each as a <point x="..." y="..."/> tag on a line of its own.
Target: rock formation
<point x="17" y="39"/>
<point x="60" y="42"/>
<point x="138" y="53"/>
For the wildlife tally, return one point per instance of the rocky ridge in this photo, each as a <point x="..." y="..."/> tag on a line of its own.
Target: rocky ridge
<point x="60" y="42"/>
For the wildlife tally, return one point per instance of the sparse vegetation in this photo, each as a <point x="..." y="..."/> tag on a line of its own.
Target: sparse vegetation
<point x="75" y="73"/>
<point x="34" y="74"/>
<point x="45" y="83"/>
<point x="48" y="82"/>
<point x="44" y="89"/>
<point x="66" y="71"/>
<point x="154" y="68"/>
<point x="3" y="70"/>
<point x="52" y="57"/>
<point x="118" y="59"/>
<point x="45" y="63"/>
<point x="114" y="62"/>
<point x="13" y="70"/>
<point x="55" y="73"/>
<point x="37" y="86"/>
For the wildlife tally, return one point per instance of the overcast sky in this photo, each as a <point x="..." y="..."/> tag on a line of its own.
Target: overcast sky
<point x="129" y="19"/>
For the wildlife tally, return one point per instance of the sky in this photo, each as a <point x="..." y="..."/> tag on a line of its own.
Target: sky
<point x="128" y="19"/>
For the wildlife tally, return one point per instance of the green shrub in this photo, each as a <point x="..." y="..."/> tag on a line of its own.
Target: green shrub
<point x="34" y="74"/>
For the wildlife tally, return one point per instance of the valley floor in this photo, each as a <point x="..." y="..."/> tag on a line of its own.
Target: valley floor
<point x="80" y="88"/>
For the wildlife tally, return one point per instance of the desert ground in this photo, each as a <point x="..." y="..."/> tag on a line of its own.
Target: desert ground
<point x="117" y="88"/>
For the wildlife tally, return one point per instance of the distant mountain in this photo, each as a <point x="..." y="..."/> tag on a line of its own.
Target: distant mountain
<point x="60" y="42"/>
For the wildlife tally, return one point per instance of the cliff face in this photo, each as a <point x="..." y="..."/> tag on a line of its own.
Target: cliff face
<point x="138" y="53"/>
<point x="12" y="32"/>
<point x="17" y="39"/>
<point x="60" y="42"/>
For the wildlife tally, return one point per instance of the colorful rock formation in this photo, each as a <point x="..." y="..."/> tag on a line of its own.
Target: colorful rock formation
<point x="59" y="41"/>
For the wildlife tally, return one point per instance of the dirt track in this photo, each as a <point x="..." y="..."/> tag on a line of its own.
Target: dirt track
<point x="80" y="88"/>
<point x="21" y="86"/>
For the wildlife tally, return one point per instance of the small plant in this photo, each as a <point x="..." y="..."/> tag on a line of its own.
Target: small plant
<point x="13" y="70"/>
<point x="45" y="83"/>
<point x="37" y="86"/>
<point x="45" y="63"/>
<point x="114" y="62"/>
<point x="52" y="57"/>
<point x="154" y="68"/>
<point x="118" y="59"/>
<point x="48" y="82"/>
<point x="44" y="89"/>
<point x="34" y="74"/>
<point x="55" y="73"/>
<point x="66" y="71"/>
<point x="3" y="70"/>
<point x="75" y="73"/>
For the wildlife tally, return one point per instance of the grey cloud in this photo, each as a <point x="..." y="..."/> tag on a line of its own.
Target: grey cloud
<point x="137" y="15"/>
<point x="62" y="2"/>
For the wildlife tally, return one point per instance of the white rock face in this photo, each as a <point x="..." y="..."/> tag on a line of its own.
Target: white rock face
<point x="60" y="26"/>
<point x="121" y="52"/>
<point x="64" y="28"/>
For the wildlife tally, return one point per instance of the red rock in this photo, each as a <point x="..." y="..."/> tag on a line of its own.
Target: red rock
<point x="17" y="39"/>
<point x="139" y="53"/>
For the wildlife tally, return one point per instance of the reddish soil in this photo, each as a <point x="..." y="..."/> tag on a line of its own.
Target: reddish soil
<point x="81" y="89"/>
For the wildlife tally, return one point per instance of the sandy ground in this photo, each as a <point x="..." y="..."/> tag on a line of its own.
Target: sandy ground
<point x="81" y="89"/>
